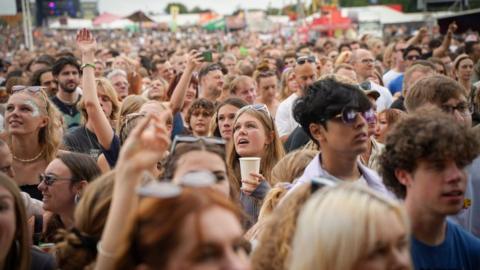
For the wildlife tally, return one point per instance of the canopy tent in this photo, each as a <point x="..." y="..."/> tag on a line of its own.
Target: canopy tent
<point x="139" y="16"/>
<point x="215" y="25"/>
<point x="468" y="20"/>
<point x="105" y="18"/>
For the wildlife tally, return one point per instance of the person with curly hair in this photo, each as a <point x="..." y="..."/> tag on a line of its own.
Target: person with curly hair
<point x="199" y="116"/>
<point x="424" y="163"/>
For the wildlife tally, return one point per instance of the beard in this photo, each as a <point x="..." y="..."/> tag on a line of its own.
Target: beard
<point x="66" y="88"/>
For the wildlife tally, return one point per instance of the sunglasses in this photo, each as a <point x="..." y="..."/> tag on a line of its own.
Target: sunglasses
<point x="166" y="190"/>
<point x="256" y="107"/>
<point x="49" y="179"/>
<point x="462" y="108"/>
<point x="413" y="57"/>
<point x="31" y="89"/>
<point x="319" y="183"/>
<point x="304" y="59"/>
<point x="349" y="116"/>
<point x="192" y="139"/>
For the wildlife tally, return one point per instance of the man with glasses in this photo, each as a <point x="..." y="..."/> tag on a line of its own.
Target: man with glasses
<point x="448" y="95"/>
<point x="119" y="80"/>
<point x="210" y="82"/>
<point x="305" y="74"/>
<point x="336" y="117"/>
<point x="364" y="64"/>
<point x="410" y="55"/>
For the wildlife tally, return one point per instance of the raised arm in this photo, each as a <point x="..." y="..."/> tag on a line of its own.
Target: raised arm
<point x="98" y="120"/>
<point x="146" y="144"/>
<point x="176" y="101"/>
<point x="418" y="37"/>
<point x="447" y="40"/>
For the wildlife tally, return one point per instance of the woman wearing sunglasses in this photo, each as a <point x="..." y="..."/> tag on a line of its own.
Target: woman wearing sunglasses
<point x="62" y="185"/>
<point x="254" y="135"/>
<point x="34" y="133"/>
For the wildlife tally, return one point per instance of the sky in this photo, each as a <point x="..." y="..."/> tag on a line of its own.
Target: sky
<point x="123" y="7"/>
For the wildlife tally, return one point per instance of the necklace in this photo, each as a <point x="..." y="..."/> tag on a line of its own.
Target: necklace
<point x="28" y="160"/>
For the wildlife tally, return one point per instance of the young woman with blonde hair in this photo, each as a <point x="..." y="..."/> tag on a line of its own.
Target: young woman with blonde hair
<point x="288" y="84"/>
<point x="254" y="135"/>
<point x="34" y="130"/>
<point x="351" y="227"/>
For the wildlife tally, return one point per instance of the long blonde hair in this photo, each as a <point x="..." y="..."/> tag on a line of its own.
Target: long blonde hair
<point x="273" y="152"/>
<point x="353" y="213"/>
<point x="49" y="136"/>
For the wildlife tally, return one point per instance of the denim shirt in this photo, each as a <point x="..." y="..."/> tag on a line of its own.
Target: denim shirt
<point x="314" y="169"/>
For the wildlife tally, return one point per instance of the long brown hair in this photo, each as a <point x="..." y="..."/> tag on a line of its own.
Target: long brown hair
<point x="154" y="231"/>
<point x="18" y="256"/>
<point x="273" y="152"/>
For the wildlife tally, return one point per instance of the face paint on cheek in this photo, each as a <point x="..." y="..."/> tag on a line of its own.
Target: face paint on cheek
<point x="35" y="109"/>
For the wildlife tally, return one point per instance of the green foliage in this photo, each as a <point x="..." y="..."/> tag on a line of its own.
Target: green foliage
<point x="182" y="9"/>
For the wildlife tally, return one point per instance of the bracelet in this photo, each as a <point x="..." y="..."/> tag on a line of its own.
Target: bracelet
<point x="104" y="253"/>
<point x="87" y="65"/>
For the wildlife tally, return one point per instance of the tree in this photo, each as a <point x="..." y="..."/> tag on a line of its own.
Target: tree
<point x="182" y="9"/>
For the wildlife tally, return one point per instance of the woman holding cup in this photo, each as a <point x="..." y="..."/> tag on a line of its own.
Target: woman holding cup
<point x="254" y="150"/>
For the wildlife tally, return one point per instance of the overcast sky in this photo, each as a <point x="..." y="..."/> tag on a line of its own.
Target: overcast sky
<point x="123" y="7"/>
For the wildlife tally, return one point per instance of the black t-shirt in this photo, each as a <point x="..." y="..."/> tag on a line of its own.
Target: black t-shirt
<point x="82" y="140"/>
<point x="70" y="113"/>
<point x="399" y="104"/>
<point x="297" y="139"/>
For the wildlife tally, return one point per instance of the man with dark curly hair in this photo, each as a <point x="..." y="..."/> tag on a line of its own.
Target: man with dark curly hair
<point x="424" y="163"/>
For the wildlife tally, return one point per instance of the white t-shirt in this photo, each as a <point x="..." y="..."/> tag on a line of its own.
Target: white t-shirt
<point x="390" y="76"/>
<point x="385" y="100"/>
<point x="284" y="117"/>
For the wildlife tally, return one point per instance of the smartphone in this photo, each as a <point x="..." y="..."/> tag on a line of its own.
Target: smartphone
<point x="207" y="56"/>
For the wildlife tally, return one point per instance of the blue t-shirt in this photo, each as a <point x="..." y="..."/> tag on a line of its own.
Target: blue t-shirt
<point x="460" y="250"/>
<point x="396" y="85"/>
<point x="111" y="154"/>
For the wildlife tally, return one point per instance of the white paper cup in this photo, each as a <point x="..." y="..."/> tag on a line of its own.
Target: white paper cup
<point x="249" y="165"/>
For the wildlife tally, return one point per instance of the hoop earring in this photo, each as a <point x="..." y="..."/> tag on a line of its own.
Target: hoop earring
<point x="17" y="248"/>
<point x="77" y="198"/>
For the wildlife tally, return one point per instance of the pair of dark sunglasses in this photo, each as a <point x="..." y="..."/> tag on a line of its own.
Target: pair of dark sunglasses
<point x="413" y="57"/>
<point x="304" y="59"/>
<point x="49" y="179"/>
<point x="349" y="116"/>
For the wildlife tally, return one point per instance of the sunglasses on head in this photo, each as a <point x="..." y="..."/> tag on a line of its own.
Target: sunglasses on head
<point x="179" y="139"/>
<point x="31" y="89"/>
<point x="49" y="179"/>
<point x="349" y="116"/>
<point x="304" y="59"/>
<point x="256" y="107"/>
<point x="165" y="190"/>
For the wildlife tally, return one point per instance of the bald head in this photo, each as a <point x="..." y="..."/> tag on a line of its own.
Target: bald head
<point x="364" y="64"/>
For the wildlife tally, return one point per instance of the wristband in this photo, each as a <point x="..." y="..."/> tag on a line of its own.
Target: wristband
<point x="87" y="65"/>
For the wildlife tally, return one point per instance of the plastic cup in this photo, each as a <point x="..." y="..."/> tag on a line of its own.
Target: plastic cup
<point x="249" y="165"/>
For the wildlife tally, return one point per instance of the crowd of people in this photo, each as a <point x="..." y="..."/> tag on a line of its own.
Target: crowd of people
<point x="128" y="151"/>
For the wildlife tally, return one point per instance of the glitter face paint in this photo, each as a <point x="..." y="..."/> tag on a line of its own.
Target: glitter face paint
<point x="34" y="106"/>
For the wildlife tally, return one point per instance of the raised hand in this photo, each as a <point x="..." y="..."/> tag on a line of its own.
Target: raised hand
<point x="145" y="145"/>
<point x="194" y="59"/>
<point x="452" y="27"/>
<point x="85" y="41"/>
